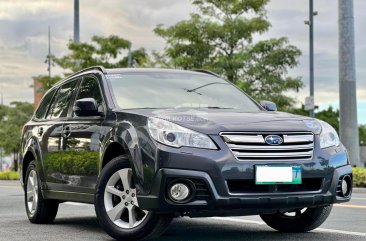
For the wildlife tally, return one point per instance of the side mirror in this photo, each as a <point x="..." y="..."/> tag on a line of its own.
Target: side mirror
<point x="268" y="105"/>
<point x="86" y="107"/>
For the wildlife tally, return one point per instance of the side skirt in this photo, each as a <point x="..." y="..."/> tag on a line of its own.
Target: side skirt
<point x="69" y="196"/>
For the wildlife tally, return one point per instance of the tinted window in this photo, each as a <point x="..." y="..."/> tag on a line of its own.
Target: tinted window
<point x="61" y="103"/>
<point x="43" y="106"/>
<point x="90" y="89"/>
<point x="177" y="90"/>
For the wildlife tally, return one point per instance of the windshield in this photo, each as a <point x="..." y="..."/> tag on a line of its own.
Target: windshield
<point x="159" y="90"/>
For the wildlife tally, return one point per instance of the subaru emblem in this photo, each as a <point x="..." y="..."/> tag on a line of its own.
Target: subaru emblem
<point x="273" y="140"/>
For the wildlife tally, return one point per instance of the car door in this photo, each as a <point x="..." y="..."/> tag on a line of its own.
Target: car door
<point x="40" y="128"/>
<point x="82" y="140"/>
<point x="54" y="163"/>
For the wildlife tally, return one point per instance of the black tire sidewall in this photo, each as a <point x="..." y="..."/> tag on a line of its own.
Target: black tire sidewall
<point x="311" y="219"/>
<point x="32" y="217"/>
<point x="139" y="232"/>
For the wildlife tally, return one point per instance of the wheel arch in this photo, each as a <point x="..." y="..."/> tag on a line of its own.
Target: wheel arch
<point x="31" y="152"/>
<point x="28" y="158"/>
<point x="112" y="150"/>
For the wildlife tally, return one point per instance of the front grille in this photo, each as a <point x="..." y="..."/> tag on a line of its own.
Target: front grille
<point x="249" y="186"/>
<point x="252" y="146"/>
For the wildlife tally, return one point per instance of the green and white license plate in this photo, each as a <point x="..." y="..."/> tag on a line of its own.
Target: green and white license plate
<point x="271" y="174"/>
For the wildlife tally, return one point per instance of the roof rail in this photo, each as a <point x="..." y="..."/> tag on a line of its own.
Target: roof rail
<point x="100" y="68"/>
<point x="207" y="72"/>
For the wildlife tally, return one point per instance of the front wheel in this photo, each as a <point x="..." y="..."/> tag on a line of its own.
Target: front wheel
<point x="299" y="220"/>
<point x="117" y="207"/>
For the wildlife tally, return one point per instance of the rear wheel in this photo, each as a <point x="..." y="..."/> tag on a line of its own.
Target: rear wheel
<point x="117" y="206"/>
<point x="38" y="210"/>
<point x="299" y="220"/>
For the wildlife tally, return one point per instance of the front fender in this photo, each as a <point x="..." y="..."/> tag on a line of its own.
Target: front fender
<point x="126" y="135"/>
<point x="31" y="149"/>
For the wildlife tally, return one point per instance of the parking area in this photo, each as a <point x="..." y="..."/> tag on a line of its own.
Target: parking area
<point x="78" y="222"/>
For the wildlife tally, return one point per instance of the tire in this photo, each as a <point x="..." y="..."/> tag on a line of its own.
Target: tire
<point x="39" y="210"/>
<point x="117" y="205"/>
<point x="302" y="221"/>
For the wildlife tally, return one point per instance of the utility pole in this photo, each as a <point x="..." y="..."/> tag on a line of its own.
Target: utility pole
<point x="49" y="57"/>
<point x="347" y="81"/>
<point x="76" y="22"/>
<point x="309" y="103"/>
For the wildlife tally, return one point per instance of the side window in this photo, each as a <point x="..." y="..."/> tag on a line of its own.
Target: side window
<point x="60" y="106"/>
<point x="89" y="88"/>
<point x="43" y="106"/>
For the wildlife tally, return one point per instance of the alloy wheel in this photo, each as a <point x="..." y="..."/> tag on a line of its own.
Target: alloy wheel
<point x="32" y="191"/>
<point x="120" y="200"/>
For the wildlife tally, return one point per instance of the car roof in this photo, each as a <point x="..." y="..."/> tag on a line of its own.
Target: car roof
<point x="148" y="70"/>
<point x="107" y="71"/>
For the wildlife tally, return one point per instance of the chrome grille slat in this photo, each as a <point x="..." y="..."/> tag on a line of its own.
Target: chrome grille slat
<point x="244" y="139"/>
<point x="284" y="154"/>
<point x="252" y="146"/>
<point x="266" y="147"/>
<point x="297" y="138"/>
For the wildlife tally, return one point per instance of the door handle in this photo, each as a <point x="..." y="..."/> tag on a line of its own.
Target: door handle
<point x="66" y="132"/>
<point x="40" y="131"/>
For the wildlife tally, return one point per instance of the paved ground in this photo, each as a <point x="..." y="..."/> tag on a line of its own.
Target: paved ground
<point x="78" y="222"/>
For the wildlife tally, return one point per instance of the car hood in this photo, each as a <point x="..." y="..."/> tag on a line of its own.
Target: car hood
<point x="216" y="121"/>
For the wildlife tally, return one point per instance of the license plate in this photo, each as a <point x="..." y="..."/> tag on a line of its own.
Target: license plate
<point x="266" y="175"/>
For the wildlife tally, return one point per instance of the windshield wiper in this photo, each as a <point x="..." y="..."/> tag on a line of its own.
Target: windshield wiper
<point x="203" y="86"/>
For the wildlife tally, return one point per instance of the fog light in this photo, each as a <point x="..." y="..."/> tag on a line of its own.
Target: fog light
<point x="346" y="186"/>
<point x="179" y="192"/>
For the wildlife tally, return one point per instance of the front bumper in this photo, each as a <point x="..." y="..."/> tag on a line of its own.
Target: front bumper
<point x="227" y="185"/>
<point x="222" y="202"/>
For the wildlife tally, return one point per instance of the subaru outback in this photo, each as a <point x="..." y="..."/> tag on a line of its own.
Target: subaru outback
<point x="147" y="145"/>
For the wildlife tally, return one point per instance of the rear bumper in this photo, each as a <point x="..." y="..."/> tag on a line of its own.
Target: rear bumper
<point x="238" y="204"/>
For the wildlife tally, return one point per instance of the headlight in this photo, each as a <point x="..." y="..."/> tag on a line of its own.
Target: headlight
<point x="314" y="125"/>
<point x="328" y="136"/>
<point x="174" y="135"/>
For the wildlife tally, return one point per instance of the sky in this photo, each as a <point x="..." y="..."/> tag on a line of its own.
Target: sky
<point x="24" y="24"/>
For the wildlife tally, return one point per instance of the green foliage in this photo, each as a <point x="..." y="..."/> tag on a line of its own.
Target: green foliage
<point x="47" y="82"/>
<point x="220" y="38"/>
<point x="188" y="47"/>
<point x="12" y="119"/>
<point x="331" y="116"/>
<point x="10" y="176"/>
<point x="359" y="177"/>
<point x="73" y="162"/>
<point x="110" y="52"/>
<point x="265" y="71"/>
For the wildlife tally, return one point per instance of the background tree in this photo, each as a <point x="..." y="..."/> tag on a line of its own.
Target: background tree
<point x="110" y="52"/>
<point x="12" y="119"/>
<point x="220" y="38"/>
<point x="47" y="82"/>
